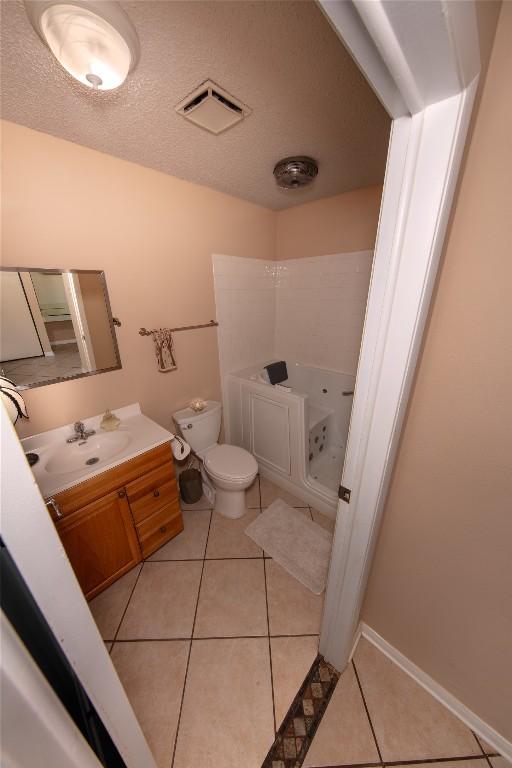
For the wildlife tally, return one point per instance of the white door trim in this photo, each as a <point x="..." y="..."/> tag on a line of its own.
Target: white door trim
<point x="79" y="320"/>
<point x="423" y="162"/>
<point x="30" y="536"/>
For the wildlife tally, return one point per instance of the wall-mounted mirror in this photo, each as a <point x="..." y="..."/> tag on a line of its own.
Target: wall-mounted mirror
<point x="55" y="325"/>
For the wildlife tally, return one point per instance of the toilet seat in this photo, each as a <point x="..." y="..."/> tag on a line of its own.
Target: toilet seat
<point x="229" y="462"/>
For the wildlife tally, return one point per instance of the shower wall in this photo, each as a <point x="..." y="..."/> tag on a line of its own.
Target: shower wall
<point x="310" y="310"/>
<point x="245" y="298"/>
<point x="320" y="308"/>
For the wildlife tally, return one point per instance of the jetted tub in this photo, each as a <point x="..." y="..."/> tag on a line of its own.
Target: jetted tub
<point x="298" y="437"/>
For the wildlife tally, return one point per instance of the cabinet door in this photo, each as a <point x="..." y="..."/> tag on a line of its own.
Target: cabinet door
<point x="101" y="542"/>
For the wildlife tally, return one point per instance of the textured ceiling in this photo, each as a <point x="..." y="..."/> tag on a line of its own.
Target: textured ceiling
<point x="282" y="59"/>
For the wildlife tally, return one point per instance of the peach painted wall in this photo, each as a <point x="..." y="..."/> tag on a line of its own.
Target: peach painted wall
<point x="68" y="206"/>
<point x="441" y="585"/>
<point x="339" y="224"/>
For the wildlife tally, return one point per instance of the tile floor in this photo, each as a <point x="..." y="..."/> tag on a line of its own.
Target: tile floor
<point x="212" y="641"/>
<point x="30" y="370"/>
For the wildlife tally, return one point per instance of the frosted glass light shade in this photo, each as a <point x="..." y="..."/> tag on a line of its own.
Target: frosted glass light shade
<point x="86" y="45"/>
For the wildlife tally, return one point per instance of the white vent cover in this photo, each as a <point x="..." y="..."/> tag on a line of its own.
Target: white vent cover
<point x="212" y="108"/>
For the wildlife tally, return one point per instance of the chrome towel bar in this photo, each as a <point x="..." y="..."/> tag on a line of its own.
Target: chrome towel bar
<point x="211" y="324"/>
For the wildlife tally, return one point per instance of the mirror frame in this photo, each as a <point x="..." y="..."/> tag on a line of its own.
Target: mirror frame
<point x="57" y="271"/>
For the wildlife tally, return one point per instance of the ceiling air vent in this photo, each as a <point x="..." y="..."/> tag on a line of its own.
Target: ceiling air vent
<point x="212" y="108"/>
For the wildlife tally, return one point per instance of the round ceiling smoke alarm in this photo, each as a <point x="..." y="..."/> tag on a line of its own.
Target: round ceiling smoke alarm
<point x="295" y="172"/>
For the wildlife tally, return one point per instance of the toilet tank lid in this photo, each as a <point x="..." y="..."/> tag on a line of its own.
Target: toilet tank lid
<point x="187" y="414"/>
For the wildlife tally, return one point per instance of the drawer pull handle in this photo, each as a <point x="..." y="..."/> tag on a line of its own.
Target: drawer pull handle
<point x="156" y="493"/>
<point x="121" y="494"/>
<point x="52" y="504"/>
<point x="163" y="529"/>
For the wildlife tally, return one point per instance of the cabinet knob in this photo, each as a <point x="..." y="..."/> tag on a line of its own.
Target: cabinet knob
<point x="163" y="529"/>
<point x="156" y="493"/>
<point x="121" y="493"/>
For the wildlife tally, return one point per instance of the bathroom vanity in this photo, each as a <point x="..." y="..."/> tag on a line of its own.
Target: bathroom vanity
<point x="118" y="511"/>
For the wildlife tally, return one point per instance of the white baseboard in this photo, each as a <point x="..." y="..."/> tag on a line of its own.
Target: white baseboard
<point x="456" y="707"/>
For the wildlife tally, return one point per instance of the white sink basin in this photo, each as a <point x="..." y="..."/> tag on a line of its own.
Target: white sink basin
<point x="62" y="465"/>
<point x="97" y="450"/>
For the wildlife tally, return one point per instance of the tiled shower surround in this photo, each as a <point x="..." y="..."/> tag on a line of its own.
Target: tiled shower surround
<point x="309" y="310"/>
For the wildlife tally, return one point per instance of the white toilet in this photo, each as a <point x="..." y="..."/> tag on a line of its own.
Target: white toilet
<point x="230" y="468"/>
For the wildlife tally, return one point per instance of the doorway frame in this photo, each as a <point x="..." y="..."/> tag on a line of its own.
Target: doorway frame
<point x="429" y="98"/>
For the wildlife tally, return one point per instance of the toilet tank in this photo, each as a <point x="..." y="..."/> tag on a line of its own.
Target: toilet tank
<point x="200" y="430"/>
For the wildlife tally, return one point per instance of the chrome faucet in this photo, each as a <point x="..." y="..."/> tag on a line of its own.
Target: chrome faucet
<point x="81" y="433"/>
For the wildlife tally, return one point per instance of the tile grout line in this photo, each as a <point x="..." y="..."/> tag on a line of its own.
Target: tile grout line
<point x="483" y="750"/>
<point x="269" y="647"/>
<point x="399" y="763"/>
<point x="126" y="606"/>
<point x="208" y="559"/>
<point x="190" y="646"/>
<point x="268" y="619"/>
<point x="208" y="637"/>
<point x="367" y="712"/>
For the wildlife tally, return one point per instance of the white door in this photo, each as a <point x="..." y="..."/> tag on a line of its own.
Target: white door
<point x="18" y="334"/>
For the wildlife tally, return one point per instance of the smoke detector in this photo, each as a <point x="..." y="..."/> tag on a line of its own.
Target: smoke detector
<point x="212" y="108"/>
<point x="295" y="172"/>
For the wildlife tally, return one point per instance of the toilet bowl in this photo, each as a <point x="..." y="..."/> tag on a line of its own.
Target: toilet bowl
<point x="231" y="469"/>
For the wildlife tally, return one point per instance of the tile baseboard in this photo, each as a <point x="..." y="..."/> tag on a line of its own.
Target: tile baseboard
<point x="456" y="707"/>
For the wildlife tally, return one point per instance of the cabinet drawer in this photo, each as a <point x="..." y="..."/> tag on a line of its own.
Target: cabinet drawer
<point x="159" y="528"/>
<point x="150" y="493"/>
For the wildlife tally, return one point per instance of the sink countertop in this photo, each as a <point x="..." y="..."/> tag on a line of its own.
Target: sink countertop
<point x="142" y="434"/>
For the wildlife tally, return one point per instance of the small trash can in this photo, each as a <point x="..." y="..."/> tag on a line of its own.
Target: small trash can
<point x="191" y="486"/>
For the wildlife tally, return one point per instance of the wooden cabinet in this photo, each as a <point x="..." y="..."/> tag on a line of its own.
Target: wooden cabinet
<point x="101" y="542"/>
<point x="110" y="522"/>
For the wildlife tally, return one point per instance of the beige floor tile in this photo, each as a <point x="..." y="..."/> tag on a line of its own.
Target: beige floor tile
<point x="226" y="720"/>
<point x="108" y="646"/>
<point x="191" y="542"/>
<point x="293" y="609"/>
<point x="270" y="492"/>
<point x="409" y="723"/>
<point x="252" y="495"/>
<point x="499" y="762"/>
<point x="344" y="735"/>
<point x="452" y="764"/>
<point x="292" y="658"/>
<point x="203" y="503"/>
<point x="228" y="538"/>
<point x="232" y="599"/>
<point x="323" y="520"/>
<point x="108" y="608"/>
<point x="163" y="602"/>
<point x="153" y="674"/>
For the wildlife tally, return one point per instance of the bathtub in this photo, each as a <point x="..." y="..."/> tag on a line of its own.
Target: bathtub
<point x="298" y="437"/>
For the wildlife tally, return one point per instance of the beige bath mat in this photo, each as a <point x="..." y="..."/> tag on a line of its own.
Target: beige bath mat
<point x="301" y="546"/>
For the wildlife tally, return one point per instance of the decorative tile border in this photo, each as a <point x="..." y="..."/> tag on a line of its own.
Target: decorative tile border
<point x="298" y="728"/>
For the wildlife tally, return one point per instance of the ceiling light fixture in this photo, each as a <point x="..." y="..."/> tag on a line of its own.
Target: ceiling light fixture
<point x="94" y="40"/>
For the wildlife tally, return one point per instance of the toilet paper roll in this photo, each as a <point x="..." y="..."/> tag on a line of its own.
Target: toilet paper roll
<point x="180" y="448"/>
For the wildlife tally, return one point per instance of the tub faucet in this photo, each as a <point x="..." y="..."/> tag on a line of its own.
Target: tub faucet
<point x="81" y="433"/>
